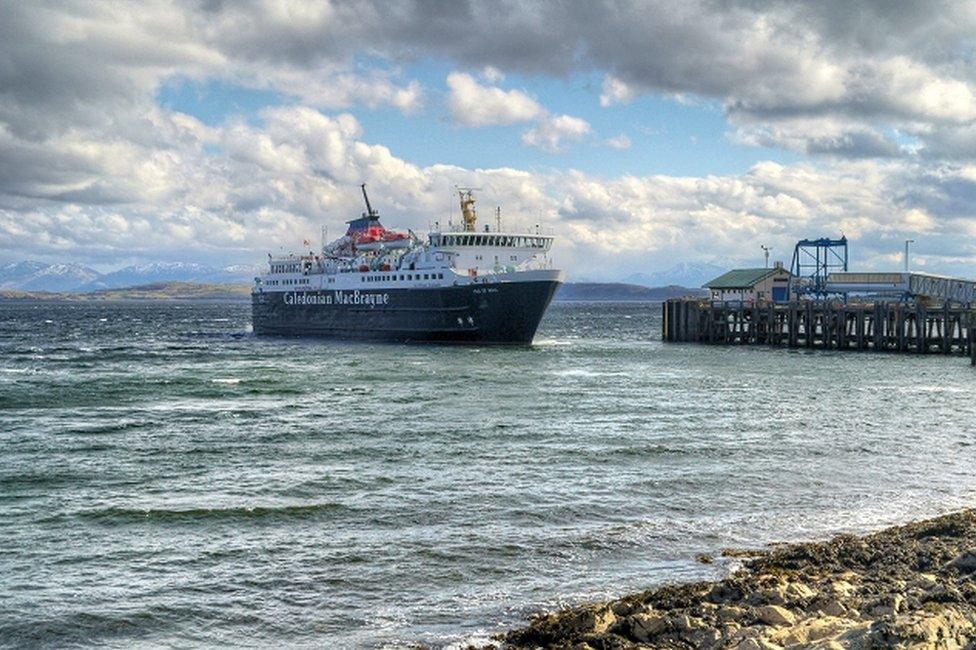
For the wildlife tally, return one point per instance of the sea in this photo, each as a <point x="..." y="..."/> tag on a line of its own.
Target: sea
<point x="167" y="479"/>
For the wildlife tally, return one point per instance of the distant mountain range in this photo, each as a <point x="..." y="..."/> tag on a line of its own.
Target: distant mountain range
<point x="685" y="274"/>
<point x="579" y="291"/>
<point x="35" y="277"/>
<point x="39" y="276"/>
<point x="617" y="291"/>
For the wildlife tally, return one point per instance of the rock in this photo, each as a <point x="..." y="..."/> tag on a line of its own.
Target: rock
<point x="944" y="629"/>
<point x="722" y="592"/>
<point x="833" y="607"/>
<point x="757" y="644"/>
<point x="705" y="558"/>
<point x="623" y="608"/>
<point x="888" y="605"/>
<point x="685" y="623"/>
<point x="769" y="596"/>
<point x="798" y="591"/>
<point x="776" y="615"/>
<point x="965" y="562"/>
<point x="729" y="613"/>
<point x="925" y="581"/>
<point x="943" y="594"/>
<point x="816" y="629"/>
<point x="644" y="627"/>
<point x="842" y="588"/>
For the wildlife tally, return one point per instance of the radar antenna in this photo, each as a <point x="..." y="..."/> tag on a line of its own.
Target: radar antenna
<point x="370" y="212"/>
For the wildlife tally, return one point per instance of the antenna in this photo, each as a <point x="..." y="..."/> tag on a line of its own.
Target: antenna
<point x="766" y="250"/>
<point x="498" y="218"/>
<point x="370" y="212"/>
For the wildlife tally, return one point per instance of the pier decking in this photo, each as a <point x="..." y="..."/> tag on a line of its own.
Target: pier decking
<point x="880" y="327"/>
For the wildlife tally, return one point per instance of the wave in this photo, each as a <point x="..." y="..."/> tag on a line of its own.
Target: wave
<point x="122" y="515"/>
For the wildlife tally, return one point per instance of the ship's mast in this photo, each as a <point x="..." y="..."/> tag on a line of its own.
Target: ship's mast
<point x="370" y="212"/>
<point x="467" y="208"/>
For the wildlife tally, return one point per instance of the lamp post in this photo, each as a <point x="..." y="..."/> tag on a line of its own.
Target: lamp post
<point x="766" y="250"/>
<point x="907" y="242"/>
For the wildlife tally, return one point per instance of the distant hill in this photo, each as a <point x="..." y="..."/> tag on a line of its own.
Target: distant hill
<point x="685" y="274"/>
<point x="596" y="291"/>
<point x="616" y="291"/>
<point x="155" y="291"/>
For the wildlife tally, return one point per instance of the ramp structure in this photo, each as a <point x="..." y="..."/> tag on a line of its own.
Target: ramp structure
<point x="907" y="286"/>
<point x="813" y="261"/>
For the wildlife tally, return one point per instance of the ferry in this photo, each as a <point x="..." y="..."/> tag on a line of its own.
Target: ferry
<point x="457" y="285"/>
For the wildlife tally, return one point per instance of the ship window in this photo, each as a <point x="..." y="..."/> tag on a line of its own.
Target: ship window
<point x="440" y="276"/>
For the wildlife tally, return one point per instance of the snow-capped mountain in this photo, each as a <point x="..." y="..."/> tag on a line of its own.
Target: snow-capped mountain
<point x="131" y="276"/>
<point x="685" y="274"/>
<point x="39" y="276"/>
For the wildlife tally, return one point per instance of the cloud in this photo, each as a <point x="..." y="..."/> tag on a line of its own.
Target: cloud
<point x="826" y="136"/>
<point x="339" y="89"/>
<point x="276" y="182"/>
<point x="618" y="142"/>
<point x="552" y="132"/>
<point x="91" y="167"/>
<point x="776" y="65"/>
<point x="492" y="75"/>
<point x="615" y="91"/>
<point x="473" y="104"/>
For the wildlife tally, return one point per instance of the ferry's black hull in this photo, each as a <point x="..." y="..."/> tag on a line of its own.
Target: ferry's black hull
<point x="493" y="313"/>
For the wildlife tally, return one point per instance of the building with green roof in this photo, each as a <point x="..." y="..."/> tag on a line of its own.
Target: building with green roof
<point x="752" y="285"/>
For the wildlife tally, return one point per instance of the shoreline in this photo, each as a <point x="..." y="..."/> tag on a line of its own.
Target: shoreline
<point x="912" y="585"/>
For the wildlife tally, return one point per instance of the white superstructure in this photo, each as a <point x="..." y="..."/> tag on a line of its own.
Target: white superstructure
<point x="370" y="257"/>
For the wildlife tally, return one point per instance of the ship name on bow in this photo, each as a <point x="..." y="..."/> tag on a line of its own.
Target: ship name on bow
<point x="355" y="297"/>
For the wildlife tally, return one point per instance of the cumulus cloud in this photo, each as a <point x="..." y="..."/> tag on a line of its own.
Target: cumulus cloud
<point x="551" y="133"/>
<point x="473" y="104"/>
<point x="277" y="182"/>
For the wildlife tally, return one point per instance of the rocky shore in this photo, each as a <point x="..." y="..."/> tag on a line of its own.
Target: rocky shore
<point x="911" y="586"/>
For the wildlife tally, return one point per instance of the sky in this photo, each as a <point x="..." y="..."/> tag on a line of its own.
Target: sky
<point x="644" y="134"/>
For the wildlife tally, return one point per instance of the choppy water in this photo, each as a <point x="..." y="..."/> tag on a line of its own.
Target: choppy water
<point x="166" y="478"/>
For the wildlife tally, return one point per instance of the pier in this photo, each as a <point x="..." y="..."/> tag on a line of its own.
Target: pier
<point x="829" y="325"/>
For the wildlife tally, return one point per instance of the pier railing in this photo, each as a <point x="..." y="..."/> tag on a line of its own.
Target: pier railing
<point x="890" y="327"/>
